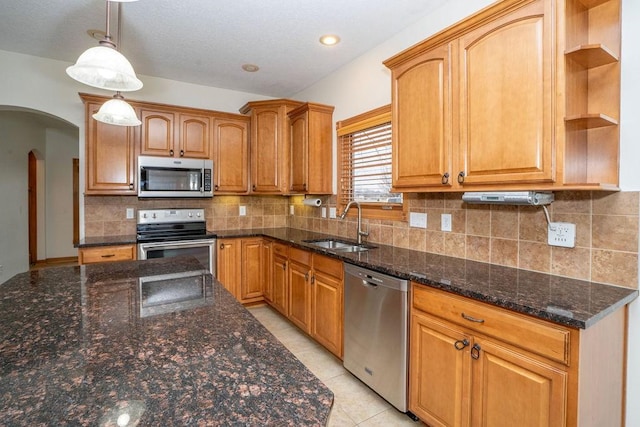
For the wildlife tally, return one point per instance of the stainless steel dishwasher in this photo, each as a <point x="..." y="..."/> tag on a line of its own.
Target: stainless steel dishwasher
<point x="375" y="332"/>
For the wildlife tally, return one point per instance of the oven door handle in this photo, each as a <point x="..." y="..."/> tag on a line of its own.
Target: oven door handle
<point x="188" y="243"/>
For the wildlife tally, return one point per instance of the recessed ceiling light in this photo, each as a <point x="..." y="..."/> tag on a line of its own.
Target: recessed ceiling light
<point x="96" y="34"/>
<point x="250" y="68"/>
<point x="329" y="39"/>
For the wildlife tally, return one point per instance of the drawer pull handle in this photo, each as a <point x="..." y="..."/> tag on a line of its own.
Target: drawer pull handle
<point x="445" y="178"/>
<point x="475" y="352"/>
<point x="284" y="265"/>
<point x="460" y="344"/>
<point x="221" y="245"/>
<point x="108" y="255"/>
<point x="461" y="176"/>
<point x="472" y="319"/>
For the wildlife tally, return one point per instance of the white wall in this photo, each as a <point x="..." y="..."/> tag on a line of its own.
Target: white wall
<point x="365" y="84"/>
<point x="18" y="136"/>
<point x="62" y="148"/>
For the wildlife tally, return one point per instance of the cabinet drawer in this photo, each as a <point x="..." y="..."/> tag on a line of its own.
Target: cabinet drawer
<point x="540" y="337"/>
<point x="299" y="255"/>
<point x="330" y="266"/>
<point x="106" y="254"/>
<point x="280" y="249"/>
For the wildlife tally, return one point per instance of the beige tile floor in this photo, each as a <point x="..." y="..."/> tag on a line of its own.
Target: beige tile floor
<point x="354" y="404"/>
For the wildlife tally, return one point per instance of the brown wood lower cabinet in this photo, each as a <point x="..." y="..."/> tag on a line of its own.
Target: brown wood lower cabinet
<point x="278" y="295"/>
<point x="240" y="267"/>
<point x="475" y="364"/>
<point x="106" y="254"/>
<point x="327" y="302"/>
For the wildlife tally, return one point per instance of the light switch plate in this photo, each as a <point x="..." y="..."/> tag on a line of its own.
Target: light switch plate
<point x="130" y="213"/>
<point x="417" y="219"/>
<point x="445" y="222"/>
<point x="243" y="210"/>
<point x="324" y="212"/>
<point x="332" y="212"/>
<point x="292" y="210"/>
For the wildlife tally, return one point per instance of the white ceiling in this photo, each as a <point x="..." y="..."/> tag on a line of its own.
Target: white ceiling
<point x="207" y="41"/>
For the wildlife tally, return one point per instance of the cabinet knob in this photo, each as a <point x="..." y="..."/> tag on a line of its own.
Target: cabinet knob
<point x="216" y="187"/>
<point x="304" y="186"/>
<point x="475" y="352"/>
<point x="460" y="344"/>
<point x="221" y="245"/>
<point x="253" y="187"/>
<point x="284" y="265"/>
<point x="461" y="177"/>
<point x="313" y="279"/>
<point x="171" y="152"/>
<point x="181" y="153"/>
<point x="445" y="178"/>
<point x="130" y="186"/>
<point x="306" y="276"/>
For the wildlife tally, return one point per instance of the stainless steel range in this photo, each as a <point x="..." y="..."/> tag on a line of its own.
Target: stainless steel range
<point x="166" y="233"/>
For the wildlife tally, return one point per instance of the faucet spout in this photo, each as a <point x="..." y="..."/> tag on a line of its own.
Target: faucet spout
<point x="361" y="233"/>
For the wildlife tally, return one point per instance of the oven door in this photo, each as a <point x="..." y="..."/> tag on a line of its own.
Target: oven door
<point x="203" y="249"/>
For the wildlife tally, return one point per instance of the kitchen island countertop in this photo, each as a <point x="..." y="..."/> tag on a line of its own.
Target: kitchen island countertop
<point x="90" y="346"/>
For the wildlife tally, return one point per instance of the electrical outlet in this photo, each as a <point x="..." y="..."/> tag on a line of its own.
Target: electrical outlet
<point x="561" y="234"/>
<point x="332" y="213"/>
<point x="292" y="210"/>
<point x="324" y="212"/>
<point x="445" y="222"/>
<point x="130" y="213"/>
<point x="243" y="210"/>
<point x="418" y="220"/>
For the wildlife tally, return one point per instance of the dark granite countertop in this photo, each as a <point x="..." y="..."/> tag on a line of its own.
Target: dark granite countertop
<point x="93" y="345"/>
<point x="88" y="242"/>
<point x="571" y="302"/>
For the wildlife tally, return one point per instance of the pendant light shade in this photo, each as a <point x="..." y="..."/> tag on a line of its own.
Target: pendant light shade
<point x="105" y="68"/>
<point x="117" y="112"/>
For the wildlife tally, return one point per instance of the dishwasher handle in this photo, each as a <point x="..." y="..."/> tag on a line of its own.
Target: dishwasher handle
<point x="369" y="284"/>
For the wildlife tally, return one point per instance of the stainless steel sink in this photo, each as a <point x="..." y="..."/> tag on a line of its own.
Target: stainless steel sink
<point x="339" y="246"/>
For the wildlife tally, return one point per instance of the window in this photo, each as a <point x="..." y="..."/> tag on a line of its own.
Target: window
<point x="364" y="149"/>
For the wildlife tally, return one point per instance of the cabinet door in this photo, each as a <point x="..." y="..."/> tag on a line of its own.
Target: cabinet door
<point x="251" y="282"/>
<point x="439" y="374"/>
<point x="231" y="156"/>
<point x="280" y="283"/>
<point x="195" y="136"/>
<point x="228" y="264"/>
<point x="265" y="153"/>
<point x="327" y="303"/>
<point x="421" y="138"/>
<point x="111" y="157"/>
<point x="157" y="133"/>
<point x="300" y="295"/>
<point x="299" y="153"/>
<point x="506" y="98"/>
<point x="511" y="388"/>
<point x="267" y="280"/>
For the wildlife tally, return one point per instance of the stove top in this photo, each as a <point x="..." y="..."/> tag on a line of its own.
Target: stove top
<point x="163" y="225"/>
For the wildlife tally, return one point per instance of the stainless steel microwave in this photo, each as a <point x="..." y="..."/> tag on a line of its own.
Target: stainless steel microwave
<point x="174" y="177"/>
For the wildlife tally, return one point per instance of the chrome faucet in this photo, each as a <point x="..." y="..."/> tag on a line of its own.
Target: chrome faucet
<point x="344" y="214"/>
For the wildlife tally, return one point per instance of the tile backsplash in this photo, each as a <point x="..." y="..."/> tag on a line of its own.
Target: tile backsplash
<point x="606" y="248"/>
<point x="606" y="238"/>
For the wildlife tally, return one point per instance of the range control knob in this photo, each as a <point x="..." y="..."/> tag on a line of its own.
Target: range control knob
<point x="190" y="214"/>
<point x="198" y="214"/>
<point x="144" y="215"/>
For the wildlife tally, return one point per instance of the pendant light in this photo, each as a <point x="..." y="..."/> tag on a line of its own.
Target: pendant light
<point x="117" y="111"/>
<point x="104" y="67"/>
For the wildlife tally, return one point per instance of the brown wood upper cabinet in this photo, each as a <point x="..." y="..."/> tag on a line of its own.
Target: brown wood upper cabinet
<point x="231" y="155"/>
<point x="110" y="155"/>
<point x="284" y="146"/>
<point x="311" y="167"/>
<point x="166" y="130"/>
<point x="174" y="133"/>
<point x="482" y="105"/>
